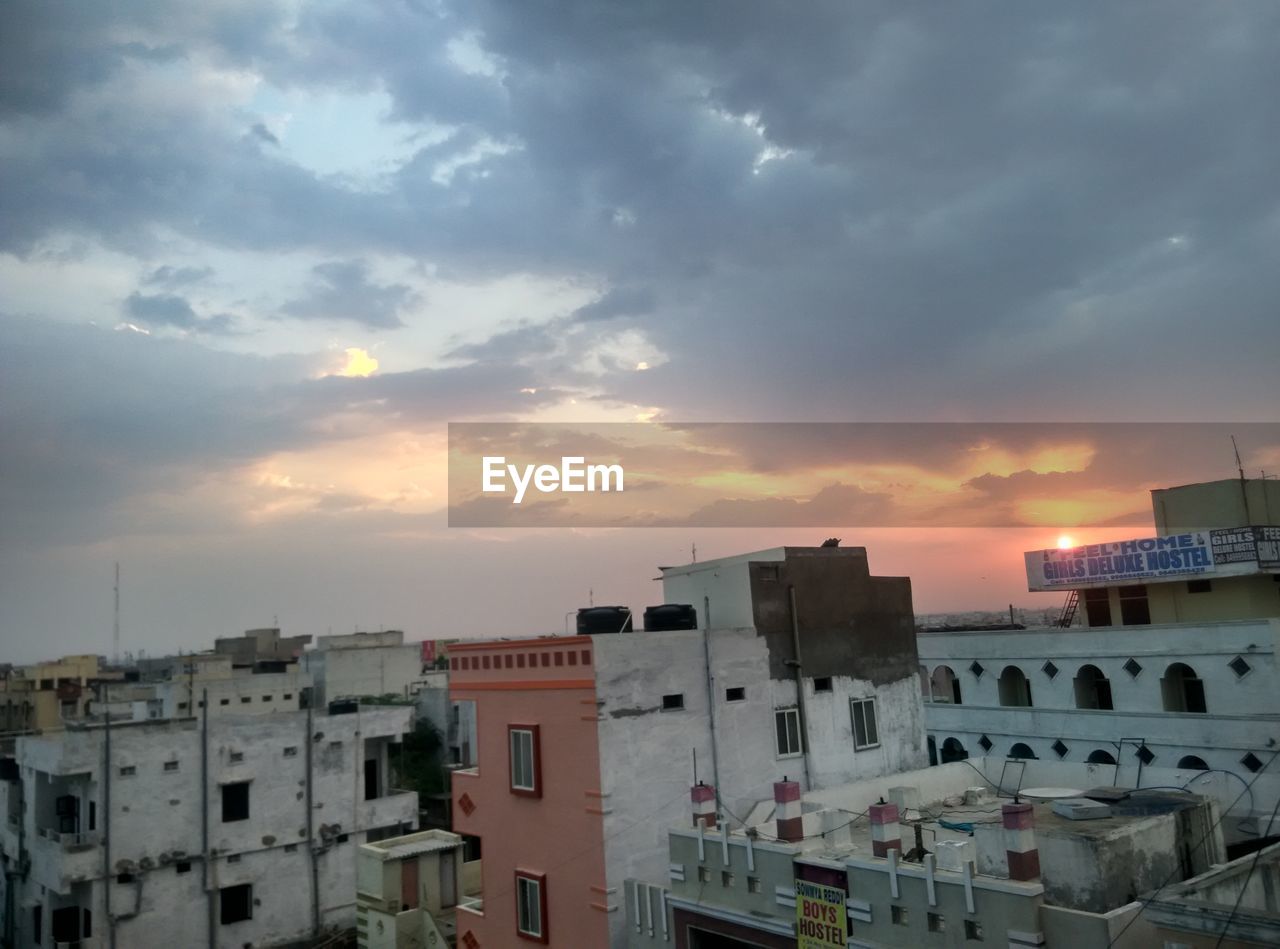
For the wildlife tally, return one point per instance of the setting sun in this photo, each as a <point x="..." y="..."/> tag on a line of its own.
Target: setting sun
<point x="1065" y="542"/>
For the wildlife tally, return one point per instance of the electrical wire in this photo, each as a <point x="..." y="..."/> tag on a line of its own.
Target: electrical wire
<point x="1253" y="865"/>
<point x="1214" y="826"/>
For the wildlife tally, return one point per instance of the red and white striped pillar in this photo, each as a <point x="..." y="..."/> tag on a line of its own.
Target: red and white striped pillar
<point x="886" y="835"/>
<point x="1020" y="841"/>
<point x="786" y="802"/>
<point x="704" y="805"/>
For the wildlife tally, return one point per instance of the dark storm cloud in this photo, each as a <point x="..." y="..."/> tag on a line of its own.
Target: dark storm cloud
<point x="341" y="290"/>
<point x="882" y="211"/>
<point x="171" y="310"/>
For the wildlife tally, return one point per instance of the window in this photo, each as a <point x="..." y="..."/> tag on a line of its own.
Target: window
<point x="235" y="903"/>
<point x="182" y="706"/>
<point x="753" y="884"/>
<point x="531" y="906"/>
<point x="288" y="697"/>
<point x="266" y="698"/>
<point x="1097" y="607"/>
<point x="822" y="684"/>
<point x="866" y="734"/>
<point x="37" y="923"/>
<point x="182" y="866"/>
<point x="673" y="702"/>
<point x="525" y="763"/>
<point x="1199" y="586"/>
<point x="704" y="874"/>
<point x="235" y="801"/>
<point x="1192" y="763"/>
<point x="944" y="685"/>
<point x="735" y="694"/>
<point x="290" y="848"/>
<point x="124" y="878"/>
<point x="787" y="724"/>
<point x="171" y="766"/>
<point x="973" y="930"/>
<point x="224" y="701"/>
<point x="1022" y="750"/>
<point x="899" y="916"/>
<point x="246" y="699"/>
<point x="233" y="858"/>
<point x="726" y="878"/>
<point x="343" y="838"/>
<point x="1134" y="609"/>
<point x="291" y="751"/>
<point x="1015" y="690"/>
<point x="1092" y="688"/>
<point x="937" y="923"/>
<point x="128" y="771"/>
<point x="236" y="757"/>
<point x="1182" y="690"/>
<point x="1101" y="756"/>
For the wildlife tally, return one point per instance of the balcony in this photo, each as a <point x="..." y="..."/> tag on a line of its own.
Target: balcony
<point x="395" y="807"/>
<point x="72" y="843"/>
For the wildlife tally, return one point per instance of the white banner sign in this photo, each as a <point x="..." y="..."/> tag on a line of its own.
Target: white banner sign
<point x="1120" y="561"/>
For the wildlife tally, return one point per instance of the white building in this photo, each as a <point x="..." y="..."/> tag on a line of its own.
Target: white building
<point x="1174" y="667"/>
<point x="356" y="665"/>
<point x="228" y="831"/>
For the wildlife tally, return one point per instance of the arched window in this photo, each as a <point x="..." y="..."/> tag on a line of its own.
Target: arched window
<point x="1101" y="757"/>
<point x="924" y="683"/>
<point x="1182" y="690"/>
<point x="1093" y="689"/>
<point x="1192" y="763"/>
<point x="1021" y="750"/>
<point x="945" y="685"/>
<point x="952" y="750"/>
<point x="1015" y="690"/>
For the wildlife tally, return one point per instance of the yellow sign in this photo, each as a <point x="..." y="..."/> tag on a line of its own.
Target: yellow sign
<point x="820" y="916"/>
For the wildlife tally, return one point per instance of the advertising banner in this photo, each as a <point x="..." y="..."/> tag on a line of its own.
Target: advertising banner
<point x="821" y="921"/>
<point x="1234" y="545"/>
<point x="1120" y="561"/>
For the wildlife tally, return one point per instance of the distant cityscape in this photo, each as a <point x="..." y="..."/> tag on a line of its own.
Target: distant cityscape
<point x="817" y="766"/>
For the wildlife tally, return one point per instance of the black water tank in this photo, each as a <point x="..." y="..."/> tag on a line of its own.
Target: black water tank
<point x="603" y="619"/>
<point x="670" y="616"/>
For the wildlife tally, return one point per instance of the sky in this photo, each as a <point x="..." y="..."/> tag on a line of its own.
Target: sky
<point x="255" y="255"/>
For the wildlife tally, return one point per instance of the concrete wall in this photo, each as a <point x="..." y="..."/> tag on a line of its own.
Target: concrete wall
<point x="1216" y="504"/>
<point x="157" y="801"/>
<point x="352" y="672"/>
<point x="647" y="754"/>
<point x="724" y="583"/>
<point x="1241" y="715"/>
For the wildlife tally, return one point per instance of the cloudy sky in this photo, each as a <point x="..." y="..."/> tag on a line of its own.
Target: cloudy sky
<point x="255" y="254"/>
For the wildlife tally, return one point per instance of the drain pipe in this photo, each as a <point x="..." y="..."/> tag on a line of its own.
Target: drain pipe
<point x="711" y="696"/>
<point x="206" y="876"/>
<point x="311" y="844"/>
<point x="797" y="667"/>
<point x="106" y="831"/>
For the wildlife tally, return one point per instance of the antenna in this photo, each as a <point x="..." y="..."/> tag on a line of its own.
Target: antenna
<point x="1244" y="488"/>
<point x="695" y="553"/>
<point x="591" y="597"/>
<point x="115" y="630"/>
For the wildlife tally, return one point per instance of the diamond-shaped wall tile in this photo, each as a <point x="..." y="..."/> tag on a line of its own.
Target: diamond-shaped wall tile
<point x="467" y="805"/>
<point x="1050" y="669"/>
<point x="1252" y="762"/>
<point x="986" y="743"/>
<point x="1059" y="748"/>
<point x="976" y="668"/>
<point x="1144" y="754"/>
<point x="1240" y="667"/>
<point x="1132" y="667"/>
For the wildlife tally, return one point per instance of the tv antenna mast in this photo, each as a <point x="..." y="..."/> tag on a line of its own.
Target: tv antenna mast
<point x="115" y="628"/>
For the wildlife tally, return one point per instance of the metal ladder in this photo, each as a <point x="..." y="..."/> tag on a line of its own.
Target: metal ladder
<point x="1068" y="614"/>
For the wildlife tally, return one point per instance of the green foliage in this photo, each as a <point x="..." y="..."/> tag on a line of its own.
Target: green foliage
<point x="420" y="763"/>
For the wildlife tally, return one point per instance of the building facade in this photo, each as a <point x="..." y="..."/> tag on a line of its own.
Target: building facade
<point x="227" y="831"/>
<point x="1172" y="663"/>
<point x="593" y="739"/>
